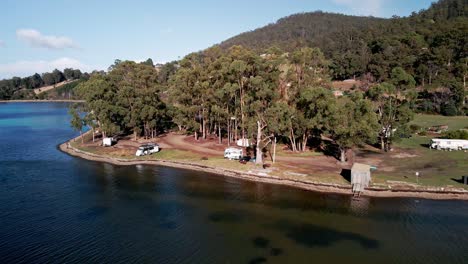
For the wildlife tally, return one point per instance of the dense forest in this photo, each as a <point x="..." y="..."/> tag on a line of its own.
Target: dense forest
<point x="276" y="88"/>
<point x="18" y="88"/>
<point x="431" y="44"/>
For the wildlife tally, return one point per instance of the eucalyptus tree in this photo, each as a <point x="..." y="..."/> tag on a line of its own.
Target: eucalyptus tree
<point x="393" y="112"/>
<point x="303" y="71"/>
<point x="186" y="93"/>
<point x="76" y="121"/>
<point x="352" y="123"/>
<point x="100" y="102"/>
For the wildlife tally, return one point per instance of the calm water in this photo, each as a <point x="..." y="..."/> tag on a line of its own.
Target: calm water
<point x="56" y="208"/>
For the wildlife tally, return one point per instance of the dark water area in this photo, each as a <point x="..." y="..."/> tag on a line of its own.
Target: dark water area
<point x="61" y="209"/>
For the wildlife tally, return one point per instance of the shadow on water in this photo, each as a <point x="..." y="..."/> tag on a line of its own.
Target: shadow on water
<point x="314" y="236"/>
<point x="346" y="174"/>
<point x="228" y="217"/>
<point x="260" y="242"/>
<point x="258" y="260"/>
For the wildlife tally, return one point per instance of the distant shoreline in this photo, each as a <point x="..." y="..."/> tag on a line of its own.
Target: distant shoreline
<point x="305" y="185"/>
<point x="43" y="101"/>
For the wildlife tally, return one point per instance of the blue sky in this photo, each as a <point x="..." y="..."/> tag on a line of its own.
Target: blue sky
<point x="38" y="36"/>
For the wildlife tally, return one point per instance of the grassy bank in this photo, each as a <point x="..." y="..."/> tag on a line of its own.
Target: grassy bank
<point x="436" y="168"/>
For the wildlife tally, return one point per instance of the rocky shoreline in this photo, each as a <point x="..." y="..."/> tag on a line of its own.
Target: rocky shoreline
<point x="426" y="193"/>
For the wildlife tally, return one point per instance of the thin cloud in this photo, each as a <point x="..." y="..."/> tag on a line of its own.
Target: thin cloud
<point x="36" y="39"/>
<point x="363" y="7"/>
<point x="27" y="68"/>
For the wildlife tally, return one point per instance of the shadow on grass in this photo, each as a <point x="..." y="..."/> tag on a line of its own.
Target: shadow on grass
<point x="461" y="181"/>
<point x="346" y="174"/>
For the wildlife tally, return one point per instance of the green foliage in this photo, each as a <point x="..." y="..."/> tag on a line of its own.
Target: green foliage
<point x="414" y="128"/>
<point x="449" y="109"/>
<point x="126" y="99"/>
<point x="18" y="88"/>
<point x="429" y="45"/>
<point x="353" y="123"/>
<point x="455" y="134"/>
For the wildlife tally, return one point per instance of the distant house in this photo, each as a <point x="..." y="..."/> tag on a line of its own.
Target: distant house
<point x="360" y="177"/>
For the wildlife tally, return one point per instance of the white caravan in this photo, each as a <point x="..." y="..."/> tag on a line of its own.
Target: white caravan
<point x="108" y="141"/>
<point x="449" y="144"/>
<point x="147" y="149"/>
<point x="233" y="153"/>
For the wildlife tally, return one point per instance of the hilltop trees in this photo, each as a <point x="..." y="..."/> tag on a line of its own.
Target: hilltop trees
<point x="20" y="88"/>
<point x="431" y="45"/>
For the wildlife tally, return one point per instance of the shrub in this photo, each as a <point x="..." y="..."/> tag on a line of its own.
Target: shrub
<point x="422" y="133"/>
<point x="414" y="128"/>
<point x="456" y="134"/>
<point x="449" y="109"/>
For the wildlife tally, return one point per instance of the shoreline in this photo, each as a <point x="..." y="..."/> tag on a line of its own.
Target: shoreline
<point x="305" y="185"/>
<point x="43" y="101"/>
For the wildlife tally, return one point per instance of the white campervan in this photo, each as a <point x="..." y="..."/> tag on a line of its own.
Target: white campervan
<point x="449" y="144"/>
<point x="108" y="141"/>
<point x="233" y="153"/>
<point x="147" y="149"/>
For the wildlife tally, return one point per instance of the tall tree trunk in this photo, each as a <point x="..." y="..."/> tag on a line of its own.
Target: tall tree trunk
<point x="229" y="131"/>
<point x="382" y="143"/>
<point x="203" y="124"/>
<point x="293" y="139"/>
<point x="274" y="150"/>
<point x="259" y="154"/>
<point x="304" y="141"/>
<point x="343" y="155"/>
<point x="93" y="133"/>
<point x="235" y="131"/>
<point x="196" y="135"/>
<point x="219" y="134"/>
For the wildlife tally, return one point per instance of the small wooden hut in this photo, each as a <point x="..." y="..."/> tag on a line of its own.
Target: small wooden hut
<point x="360" y="177"/>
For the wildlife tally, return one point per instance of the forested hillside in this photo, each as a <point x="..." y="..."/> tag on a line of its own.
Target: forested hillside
<point x="431" y="45"/>
<point x="266" y="90"/>
<point x="18" y="88"/>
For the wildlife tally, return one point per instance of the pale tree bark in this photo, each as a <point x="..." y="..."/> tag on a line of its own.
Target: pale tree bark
<point x="274" y="150"/>
<point x="343" y="155"/>
<point x="259" y="153"/>
<point x="219" y="134"/>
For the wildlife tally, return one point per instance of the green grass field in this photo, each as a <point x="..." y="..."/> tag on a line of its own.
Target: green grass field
<point x="436" y="168"/>
<point x="454" y="122"/>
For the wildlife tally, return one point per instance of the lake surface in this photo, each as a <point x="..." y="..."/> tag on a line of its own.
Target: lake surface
<point x="57" y="208"/>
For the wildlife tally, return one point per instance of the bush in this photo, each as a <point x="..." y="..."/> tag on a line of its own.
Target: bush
<point x="456" y="134"/>
<point x="414" y="128"/>
<point x="449" y="109"/>
<point x="422" y="133"/>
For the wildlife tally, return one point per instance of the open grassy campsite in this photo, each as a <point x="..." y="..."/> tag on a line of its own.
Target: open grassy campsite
<point x="436" y="168"/>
